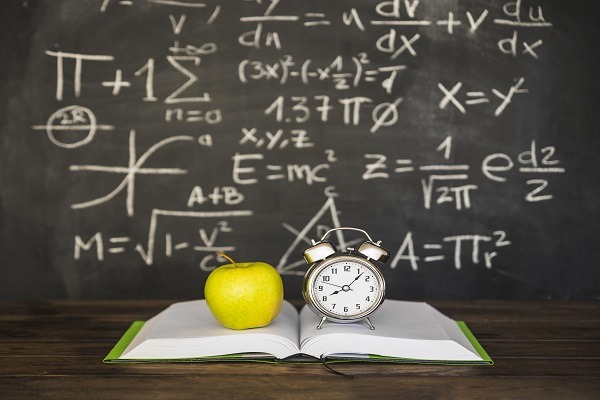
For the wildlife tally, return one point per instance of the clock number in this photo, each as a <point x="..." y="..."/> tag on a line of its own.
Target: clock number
<point x="372" y="288"/>
<point x="325" y="278"/>
<point x="357" y="306"/>
<point x="346" y="268"/>
<point x="324" y="298"/>
<point x="321" y="288"/>
<point x="333" y="306"/>
<point x="334" y="271"/>
<point x="345" y="309"/>
<point x="367" y="278"/>
<point x="368" y="298"/>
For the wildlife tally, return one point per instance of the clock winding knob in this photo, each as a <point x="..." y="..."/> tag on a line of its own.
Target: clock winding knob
<point x="373" y="251"/>
<point x="319" y="251"/>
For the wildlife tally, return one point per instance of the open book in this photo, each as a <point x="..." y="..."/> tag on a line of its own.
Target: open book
<point x="404" y="332"/>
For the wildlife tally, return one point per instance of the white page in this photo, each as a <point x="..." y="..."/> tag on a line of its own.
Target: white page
<point x="189" y="330"/>
<point x="452" y="330"/>
<point x="142" y="335"/>
<point x="402" y="329"/>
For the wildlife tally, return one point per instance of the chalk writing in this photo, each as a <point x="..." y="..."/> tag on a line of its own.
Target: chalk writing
<point x="400" y="110"/>
<point x="315" y="228"/>
<point x="79" y="59"/>
<point x="244" y="171"/>
<point x="73" y="121"/>
<point x="343" y="74"/>
<point x="207" y="240"/>
<point x="352" y="110"/>
<point x="436" y="252"/>
<point x="134" y="167"/>
<point x="476" y="98"/>
<point x="448" y="182"/>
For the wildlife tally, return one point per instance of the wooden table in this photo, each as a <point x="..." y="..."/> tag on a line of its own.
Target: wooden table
<point x="542" y="350"/>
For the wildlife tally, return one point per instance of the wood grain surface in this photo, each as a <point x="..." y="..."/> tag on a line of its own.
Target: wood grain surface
<point x="542" y="350"/>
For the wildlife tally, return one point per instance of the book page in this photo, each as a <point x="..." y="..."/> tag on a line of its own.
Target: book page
<point x="142" y="335"/>
<point x="452" y="329"/>
<point x="189" y="330"/>
<point x="402" y="329"/>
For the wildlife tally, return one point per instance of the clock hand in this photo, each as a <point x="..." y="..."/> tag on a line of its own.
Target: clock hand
<point x="332" y="284"/>
<point x="355" y="279"/>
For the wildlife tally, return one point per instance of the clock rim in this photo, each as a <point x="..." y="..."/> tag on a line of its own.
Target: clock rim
<point x="313" y="304"/>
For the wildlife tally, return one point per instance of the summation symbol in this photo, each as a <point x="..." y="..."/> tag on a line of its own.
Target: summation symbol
<point x="135" y="167"/>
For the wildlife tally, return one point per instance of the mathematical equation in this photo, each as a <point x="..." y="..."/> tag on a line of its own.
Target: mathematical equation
<point x="288" y="92"/>
<point x="448" y="183"/>
<point x="336" y="72"/>
<point x="398" y="16"/>
<point x="442" y="182"/>
<point x="100" y="246"/>
<point x="460" y="244"/>
<point x="213" y="231"/>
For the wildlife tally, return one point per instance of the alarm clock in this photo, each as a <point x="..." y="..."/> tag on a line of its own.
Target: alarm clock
<point x="344" y="286"/>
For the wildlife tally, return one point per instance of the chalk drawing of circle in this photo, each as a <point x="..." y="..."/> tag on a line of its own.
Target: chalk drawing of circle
<point x="85" y="125"/>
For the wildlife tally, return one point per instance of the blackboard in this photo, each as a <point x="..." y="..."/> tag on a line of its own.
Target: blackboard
<point x="140" y="137"/>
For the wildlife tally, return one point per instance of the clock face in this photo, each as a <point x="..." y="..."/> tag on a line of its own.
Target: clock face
<point x="346" y="288"/>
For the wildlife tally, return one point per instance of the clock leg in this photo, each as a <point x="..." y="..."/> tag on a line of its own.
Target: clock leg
<point x="368" y="321"/>
<point x="321" y="323"/>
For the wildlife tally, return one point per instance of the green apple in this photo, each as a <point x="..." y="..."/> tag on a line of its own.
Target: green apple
<point x="244" y="295"/>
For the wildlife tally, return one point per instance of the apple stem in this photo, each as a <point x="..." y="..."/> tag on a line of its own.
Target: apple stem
<point x="220" y="253"/>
